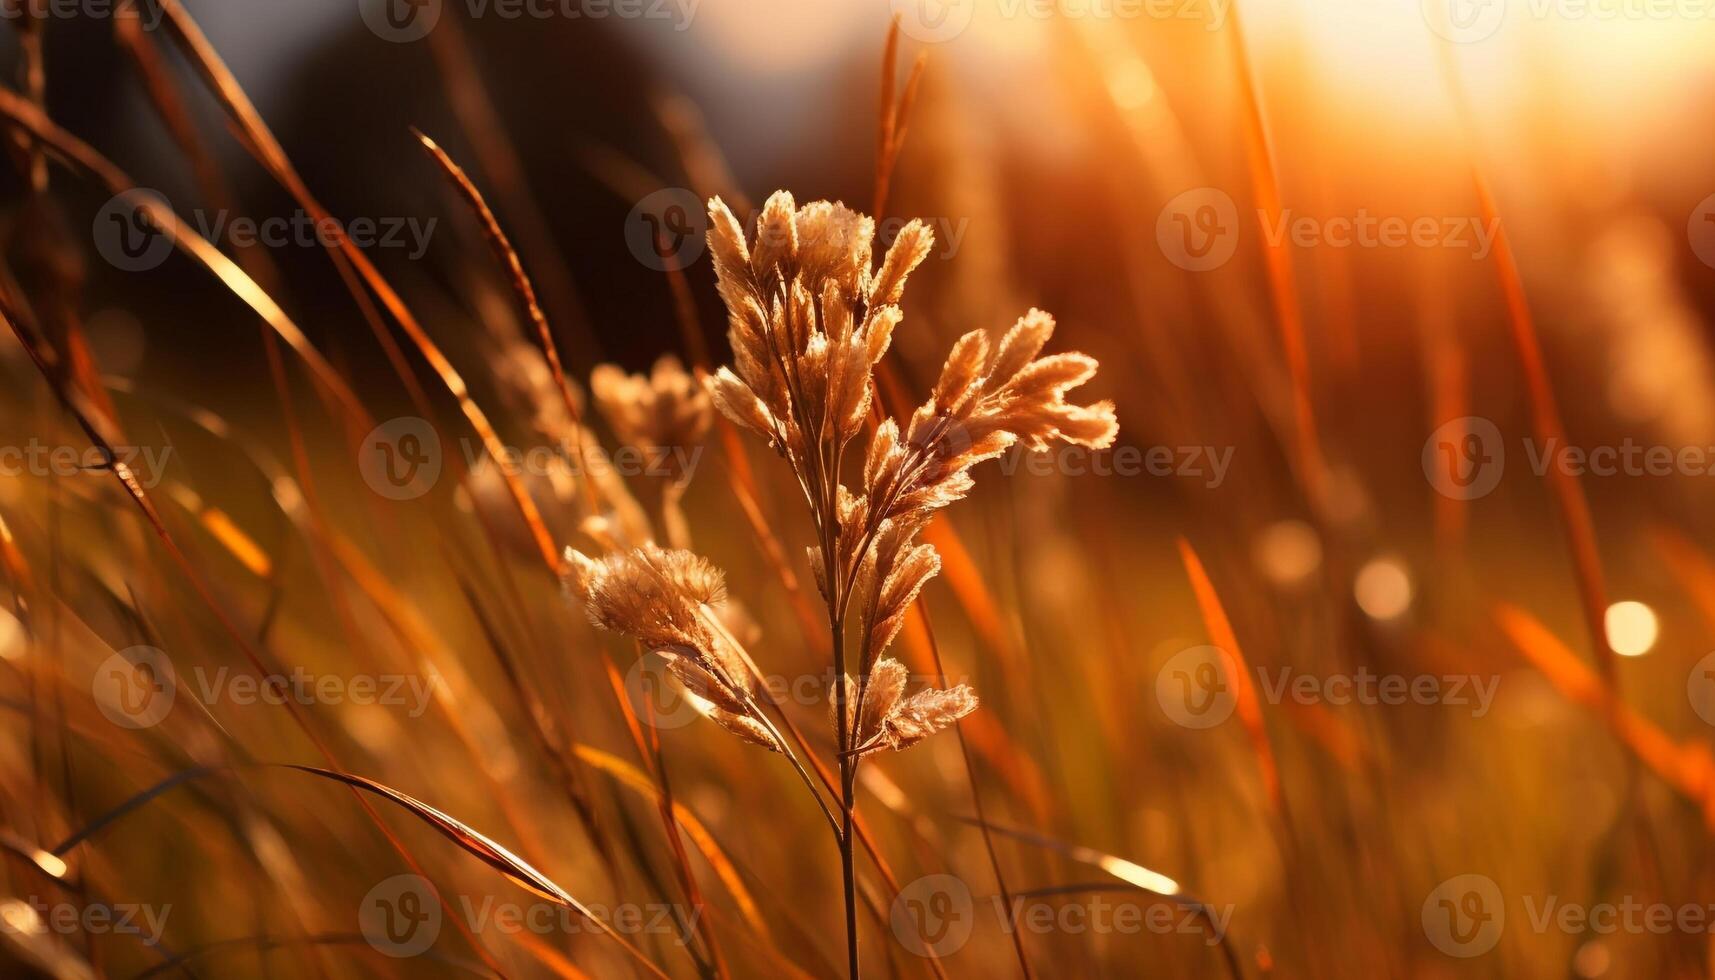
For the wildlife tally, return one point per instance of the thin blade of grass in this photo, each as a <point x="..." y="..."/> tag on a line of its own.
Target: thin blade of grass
<point x="1309" y="463"/>
<point x="45" y="862"/>
<point x="254" y="136"/>
<point x="650" y="751"/>
<point x="546" y="732"/>
<point x="497" y="157"/>
<point x="72" y="404"/>
<point x="892" y="117"/>
<point x="488" y="852"/>
<point x="1132" y="874"/>
<point x="169" y="102"/>
<point x="635" y="780"/>
<point x="1689" y="768"/>
<point x="1571" y="505"/>
<point x="130" y="804"/>
<point x="261" y="142"/>
<point x="526" y="294"/>
<point x="82" y="157"/>
<point x="976" y="794"/>
<point x="1245" y="702"/>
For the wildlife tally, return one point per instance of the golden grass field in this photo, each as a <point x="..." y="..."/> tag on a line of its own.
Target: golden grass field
<point x="922" y="489"/>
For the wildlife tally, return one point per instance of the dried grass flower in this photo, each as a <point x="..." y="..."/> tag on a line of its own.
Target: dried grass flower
<point x="665" y="409"/>
<point x="893" y="721"/>
<point x="810" y="314"/>
<point x="672" y="602"/>
<point x="809" y="317"/>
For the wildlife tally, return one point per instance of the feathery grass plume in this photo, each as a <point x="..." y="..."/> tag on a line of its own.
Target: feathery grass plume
<point x="526" y="386"/>
<point x="809" y="318"/>
<point x="801" y="380"/>
<point x="663" y="410"/>
<point x="659" y="598"/>
<point x="664" y="415"/>
<point x="893" y="721"/>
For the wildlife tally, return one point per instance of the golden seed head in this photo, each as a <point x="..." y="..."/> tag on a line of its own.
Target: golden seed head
<point x="665" y="409"/>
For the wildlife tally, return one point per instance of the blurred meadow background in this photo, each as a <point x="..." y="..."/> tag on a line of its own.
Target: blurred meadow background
<point x="1380" y="643"/>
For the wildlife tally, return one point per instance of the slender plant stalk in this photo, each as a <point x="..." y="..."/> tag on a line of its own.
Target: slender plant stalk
<point x="762" y="717"/>
<point x="848" y="763"/>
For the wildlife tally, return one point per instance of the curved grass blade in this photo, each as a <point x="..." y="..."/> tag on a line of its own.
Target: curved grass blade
<point x="485" y="850"/>
<point x="1310" y="465"/>
<point x="350" y="259"/>
<point x="526" y="293"/>
<point x="1128" y="871"/>
<point x="472" y="104"/>
<point x="74" y="405"/>
<point x="1215" y="929"/>
<point x="650" y="751"/>
<point x="1248" y="706"/>
<point x="890" y="131"/>
<point x="922" y="609"/>
<point x="81" y="156"/>
<point x="634" y="779"/>
<point x="448" y="826"/>
<point x="95" y="826"/>
<point x="1687" y="767"/>
<point x="1134" y="876"/>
